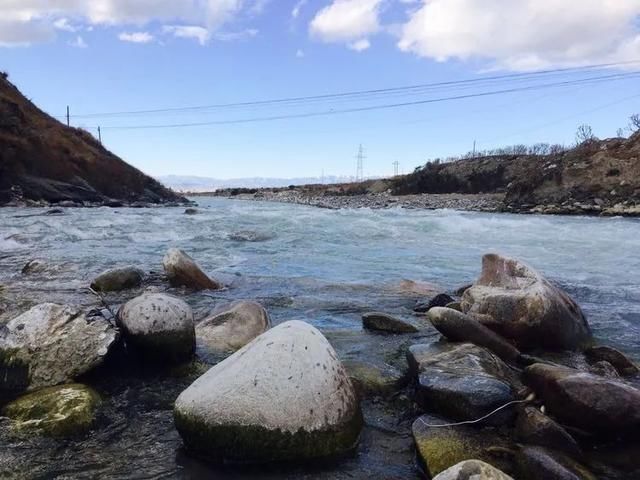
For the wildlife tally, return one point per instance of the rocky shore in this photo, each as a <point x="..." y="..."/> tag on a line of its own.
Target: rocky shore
<point x="500" y="379"/>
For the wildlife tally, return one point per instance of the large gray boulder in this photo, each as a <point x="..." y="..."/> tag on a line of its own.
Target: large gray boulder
<point x="117" y="279"/>
<point x="159" y="327"/>
<point x="233" y="327"/>
<point x="51" y="344"/>
<point x="517" y="302"/>
<point x="461" y="381"/>
<point x="182" y="270"/>
<point x="284" y="396"/>
<point x="472" y="470"/>
<point x="585" y="401"/>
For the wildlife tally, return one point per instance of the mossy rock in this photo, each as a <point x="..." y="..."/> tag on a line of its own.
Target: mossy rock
<point x="439" y="448"/>
<point x="60" y="411"/>
<point x="370" y="380"/>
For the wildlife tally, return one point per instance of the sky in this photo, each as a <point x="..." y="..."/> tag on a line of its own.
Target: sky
<point x="109" y="56"/>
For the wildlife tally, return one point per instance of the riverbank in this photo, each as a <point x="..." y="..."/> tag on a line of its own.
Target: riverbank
<point x="481" y="202"/>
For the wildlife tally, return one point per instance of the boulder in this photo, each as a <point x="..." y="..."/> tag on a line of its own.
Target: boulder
<point x="520" y="304"/>
<point x="51" y="344"/>
<point x="284" y="396"/>
<point x="619" y="360"/>
<point x="373" y="380"/>
<point x="458" y="327"/>
<point x="587" y="401"/>
<point x="117" y="279"/>
<point x="534" y="463"/>
<point x="182" y="270"/>
<point x="233" y="327"/>
<point x="472" y="470"/>
<point x="383" y="322"/>
<point x="440" y="300"/>
<point x="59" y="411"/>
<point x="191" y="211"/>
<point x="535" y="428"/>
<point x="461" y="381"/>
<point x="440" y="448"/>
<point x="158" y="326"/>
<point x="36" y="265"/>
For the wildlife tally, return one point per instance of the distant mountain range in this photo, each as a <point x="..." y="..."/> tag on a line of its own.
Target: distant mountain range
<point x="182" y="183"/>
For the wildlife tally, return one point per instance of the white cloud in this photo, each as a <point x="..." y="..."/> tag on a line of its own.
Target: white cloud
<point x="201" y="34"/>
<point x="136" y="37"/>
<point x="23" y="22"/>
<point x="524" y="34"/>
<point x="297" y="8"/>
<point x="235" y="36"/>
<point x="300" y="53"/>
<point x="360" y="45"/>
<point x="78" y="42"/>
<point x="346" y="21"/>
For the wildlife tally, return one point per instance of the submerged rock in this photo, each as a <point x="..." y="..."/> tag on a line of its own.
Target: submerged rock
<point x="458" y="327"/>
<point x="191" y="211"/>
<point x="461" y="381"/>
<point x="519" y="303"/>
<point x="37" y="265"/>
<point x="619" y="360"/>
<point x="59" y="411"/>
<point x="182" y="270"/>
<point x="158" y="326"/>
<point x="440" y="448"/>
<point x="535" y="428"/>
<point x="233" y="327"/>
<point x="284" y="396"/>
<point x="586" y="401"/>
<point x="51" y="344"/>
<point x="372" y="380"/>
<point x="117" y="279"/>
<point x="386" y="323"/>
<point x="472" y="470"/>
<point x="250" y="236"/>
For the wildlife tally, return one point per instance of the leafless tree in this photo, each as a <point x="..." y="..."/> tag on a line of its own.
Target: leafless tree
<point x="635" y="122"/>
<point x="584" y="134"/>
<point x="620" y="133"/>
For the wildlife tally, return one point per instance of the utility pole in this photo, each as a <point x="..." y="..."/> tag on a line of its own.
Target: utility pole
<point x="68" y="124"/>
<point x="396" y="164"/>
<point x="99" y="136"/>
<point x="360" y="170"/>
<point x="474" y="149"/>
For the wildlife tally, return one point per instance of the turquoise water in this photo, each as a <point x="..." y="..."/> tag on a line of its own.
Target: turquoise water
<point x="325" y="266"/>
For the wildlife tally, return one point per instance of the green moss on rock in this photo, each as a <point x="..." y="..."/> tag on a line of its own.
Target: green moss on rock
<point x="60" y="411"/>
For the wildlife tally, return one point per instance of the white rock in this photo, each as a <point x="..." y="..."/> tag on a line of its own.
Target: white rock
<point x="158" y="326"/>
<point x="472" y="470"/>
<point x="283" y="396"/>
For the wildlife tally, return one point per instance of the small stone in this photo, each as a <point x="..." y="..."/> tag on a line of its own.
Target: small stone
<point x="182" y="270"/>
<point x="440" y="300"/>
<point x="117" y="279"/>
<point x="61" y="411"/>
<point x="386" y="323"/>
<point x="372" y="380"/>
<point x="191" y="211"/>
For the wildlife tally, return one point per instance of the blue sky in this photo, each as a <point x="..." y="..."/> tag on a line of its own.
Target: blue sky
<point x="111" y="56"/>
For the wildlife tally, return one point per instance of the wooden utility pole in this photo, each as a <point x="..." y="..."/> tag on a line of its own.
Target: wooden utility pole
<point x="68" y="123"/>
<point x="99" y="136"/>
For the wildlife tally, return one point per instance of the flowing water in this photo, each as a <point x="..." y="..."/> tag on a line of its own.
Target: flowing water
<point x="322" y="266"/>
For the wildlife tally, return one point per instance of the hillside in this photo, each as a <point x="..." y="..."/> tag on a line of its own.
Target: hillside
<point x="43" y="160"/>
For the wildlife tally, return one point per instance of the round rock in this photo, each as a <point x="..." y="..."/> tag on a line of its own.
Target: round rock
<point x="472" y="470"/>
<point x="117" y="279"/>
<point x="284" y="396"/>
<point x="182" y="270"/>
<point x="159" y="326"/>
<point x="233" y="327"/>
<point x="383" y="322"/>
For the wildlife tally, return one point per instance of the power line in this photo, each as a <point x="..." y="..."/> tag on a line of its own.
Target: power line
<point x="412" y="89"/>
<point x="584" y="81"/>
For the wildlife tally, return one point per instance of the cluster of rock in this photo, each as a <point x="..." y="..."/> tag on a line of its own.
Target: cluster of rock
<point x="492" y="397"/>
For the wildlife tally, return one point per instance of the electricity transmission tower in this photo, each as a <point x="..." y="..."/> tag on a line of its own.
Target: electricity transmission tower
<point x="359" y="170"/>
<point x="396" y="164"/>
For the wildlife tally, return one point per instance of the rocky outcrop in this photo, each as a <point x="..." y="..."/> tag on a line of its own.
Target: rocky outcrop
<point x="117" y="279"/>
<point x="458" y="327"/>
<point x="585" y="401"/>
<point x="517" y="302"/>
<point x="284" y="396"/>
<point x="182" y="270"/>
<point x="43" y="160"/>
<point x="233" y="327"/>
<point x="383" y="322"/>
<point x="159" y="327"/>
<point x="60" y="411"/>
<point x="460" y="381"/>
<point x="472" y="470"/>
<point x="51" y="344"/>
